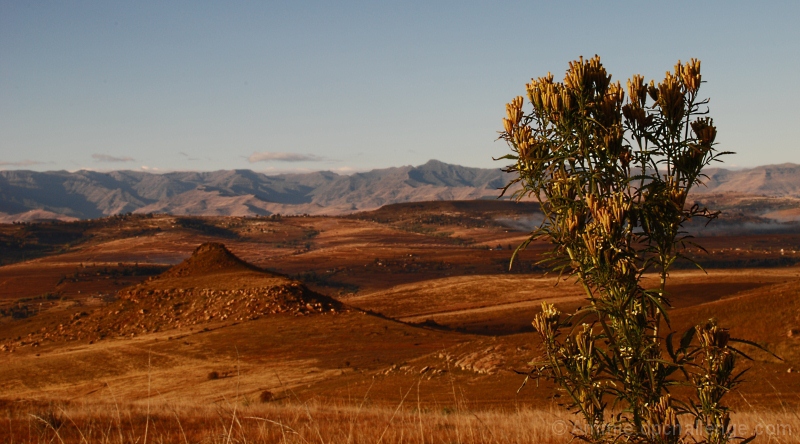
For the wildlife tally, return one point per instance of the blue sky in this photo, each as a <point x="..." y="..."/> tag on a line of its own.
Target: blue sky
<point x="350" y="86"/>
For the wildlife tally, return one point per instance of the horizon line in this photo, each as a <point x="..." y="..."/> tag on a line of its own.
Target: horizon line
<point x="300" y="171"/>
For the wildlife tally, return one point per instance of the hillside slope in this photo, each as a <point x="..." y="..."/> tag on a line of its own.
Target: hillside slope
<point x="771" y="180"/>
<point x="211" y="285"/>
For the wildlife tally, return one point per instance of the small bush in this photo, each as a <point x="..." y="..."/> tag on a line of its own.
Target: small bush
<point x="213" y="375"/>
<point x="266" y="396"/>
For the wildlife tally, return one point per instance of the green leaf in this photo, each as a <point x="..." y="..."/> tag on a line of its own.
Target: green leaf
<point x="687" y="337"/>
<point x="745" y="441"/>
<point x="745" y="341"/>
<point x="507" y="156"/>
<point x="670" y="346"/>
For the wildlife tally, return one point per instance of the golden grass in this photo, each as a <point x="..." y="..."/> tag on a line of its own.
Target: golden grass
<point x="355" y="422"/>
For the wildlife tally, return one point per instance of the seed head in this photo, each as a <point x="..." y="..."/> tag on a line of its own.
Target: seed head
<point x="705" y="131"/>
<point x="689" y="75"/>
<point x="637" y="90"/>
<point x="671" y="99"/>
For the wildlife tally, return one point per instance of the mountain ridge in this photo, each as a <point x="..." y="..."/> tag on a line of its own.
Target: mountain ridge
<point x="88" y="194"/>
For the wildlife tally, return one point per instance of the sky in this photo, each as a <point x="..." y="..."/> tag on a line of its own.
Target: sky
<point x="352" y="86"/>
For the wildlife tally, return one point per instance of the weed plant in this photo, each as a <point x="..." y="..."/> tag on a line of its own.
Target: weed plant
<point x="612" y="174"/>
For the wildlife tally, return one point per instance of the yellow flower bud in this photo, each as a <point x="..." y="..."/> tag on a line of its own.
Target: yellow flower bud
<point x="637" y="90"/>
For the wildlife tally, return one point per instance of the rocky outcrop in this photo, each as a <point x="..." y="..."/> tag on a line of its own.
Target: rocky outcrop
<point x="211" y="286"/>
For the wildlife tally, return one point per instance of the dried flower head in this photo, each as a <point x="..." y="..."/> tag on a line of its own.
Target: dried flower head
<point x="711" y="335"/>
<point x="689" y="75"/>
<point x="637" y="90"/>
<point x="705" y="131"/>
<point x="546" y="322"/>
<point x="671" y="99"/>
<point x="587" y="77"/>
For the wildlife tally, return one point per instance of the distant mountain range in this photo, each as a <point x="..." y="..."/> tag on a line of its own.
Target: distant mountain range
<point x="27" y="195"/>
<point x="90" y="194"/>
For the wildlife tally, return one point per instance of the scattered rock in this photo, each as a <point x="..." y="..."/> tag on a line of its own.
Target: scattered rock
<point x="266" y="396"/>
<point x="488" y="361"/>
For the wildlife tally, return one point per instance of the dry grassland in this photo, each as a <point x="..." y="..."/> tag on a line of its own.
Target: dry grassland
<point x="424" y="351"/>
<point x="358" y="422"/>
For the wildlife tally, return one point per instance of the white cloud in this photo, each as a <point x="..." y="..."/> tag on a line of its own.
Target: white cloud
<point x="108" y="158"/>
<point x="268" y="156"/>
<point x="346" y="170"/>
<point x="272" y="171"/>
